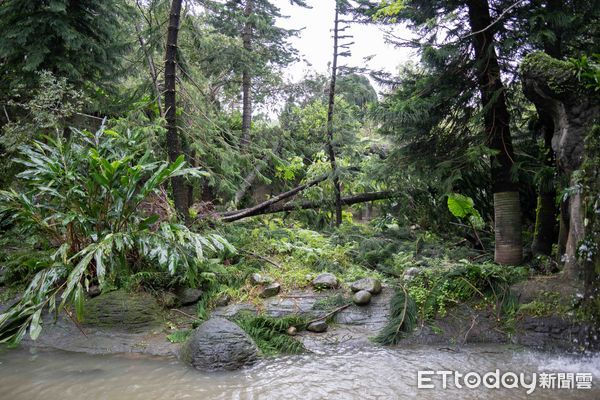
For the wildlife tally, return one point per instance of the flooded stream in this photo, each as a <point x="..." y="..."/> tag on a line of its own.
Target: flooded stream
<point x="373" y="373"/>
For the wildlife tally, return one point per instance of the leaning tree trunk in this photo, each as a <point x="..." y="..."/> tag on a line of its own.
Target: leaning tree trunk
<point x="336" y="180"/>
<point x="247" y="77"/>
<point x="507" y="210"/>
<point x="180" y="194"/>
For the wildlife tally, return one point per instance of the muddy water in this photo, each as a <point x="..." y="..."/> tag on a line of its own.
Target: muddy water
<point x="372" y="373"/>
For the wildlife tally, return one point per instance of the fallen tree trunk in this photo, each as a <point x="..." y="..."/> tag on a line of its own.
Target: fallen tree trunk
<point x="304" y="205"/>
<point x="256" y="210"/>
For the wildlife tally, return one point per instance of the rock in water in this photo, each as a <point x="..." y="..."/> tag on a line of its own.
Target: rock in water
<point x="219" y="344"/>
<point x="361" y="297"/>
<point x="270" y="290"/>
<point x="188" y="296"/>
<point x="317" y="326"/>
<point x="325" y="281"/>
<point x="371" y="285"/>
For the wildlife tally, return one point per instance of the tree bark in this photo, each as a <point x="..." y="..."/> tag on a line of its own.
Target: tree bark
<point x="247" y="78"/>
<point x="545" y="234"/>
<point x="306" y="205"/>
<point x="330" y="109"/>
<point x="509" y="248"/>
<point x="174" y="149"/>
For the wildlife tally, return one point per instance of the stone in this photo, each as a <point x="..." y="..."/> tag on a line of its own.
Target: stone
<point x="325" y="281"/>
<point x="258" y="279"/>
<point x="122" y="311"/>
<point x="223" y="300"/>
<point x="317" y="327"/>
<point x="270" y="290"/>
<point x="188" y="296"/>
<point x="219" y="344"/>
<point x="411" y="273"/>
<point x="371" y="285"/>
<point x="361" y="298"/>
<point x="292" y="331"/>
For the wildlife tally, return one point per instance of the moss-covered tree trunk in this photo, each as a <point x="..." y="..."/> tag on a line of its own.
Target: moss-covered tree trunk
<point x="553" y="86"/>
<point x="507" y="210"/>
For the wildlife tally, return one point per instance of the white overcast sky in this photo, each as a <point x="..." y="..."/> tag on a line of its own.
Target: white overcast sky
<point x="315" y="42"/>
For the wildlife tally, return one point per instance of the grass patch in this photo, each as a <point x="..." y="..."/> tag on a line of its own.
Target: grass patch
<point x="179" y="336"/>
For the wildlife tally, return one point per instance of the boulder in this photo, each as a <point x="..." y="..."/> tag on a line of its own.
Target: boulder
<point x="325" y="281"/>
<point x="361" y="298"/>
<point x="258" y="279"/>
<point x="371" y="285"/>
<point x="219" y="344"/>
<point x="188" y="296"/>
<point x="122" y="311"/>
<point x="317" y="326"/>
<point x="270" y="290"/>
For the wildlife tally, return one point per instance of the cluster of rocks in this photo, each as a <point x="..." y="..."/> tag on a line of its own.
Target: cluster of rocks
<point x="269" y="287"/>
<point x="364" y="289"/>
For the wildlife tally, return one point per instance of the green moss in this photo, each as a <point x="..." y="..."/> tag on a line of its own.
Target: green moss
<point x="560" y="75"/>
<point x="546" y="304"/>
<point x="122" y="310"/>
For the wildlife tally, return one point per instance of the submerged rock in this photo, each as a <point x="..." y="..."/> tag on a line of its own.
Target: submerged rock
<point x="371" y="285"/>
<point x="188" y="296"/>
<point x="361" y="298"/>
<point x="270" y="290"/>
<point x="325" y="281"/>
<point x="317" y="326"/>
<point x="219" y="344"/>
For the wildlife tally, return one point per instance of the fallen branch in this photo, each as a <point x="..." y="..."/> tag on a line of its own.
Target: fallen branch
<point x="260" y="257"/>
<point x="329" y="314"/>
<point x="304" y="205"/>
<point x="256" y="210"/>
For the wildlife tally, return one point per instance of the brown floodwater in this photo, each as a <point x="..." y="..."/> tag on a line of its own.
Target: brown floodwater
<point x="368" y="373"/>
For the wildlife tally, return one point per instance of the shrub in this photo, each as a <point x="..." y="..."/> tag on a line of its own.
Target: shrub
<point x="85" y="199"/>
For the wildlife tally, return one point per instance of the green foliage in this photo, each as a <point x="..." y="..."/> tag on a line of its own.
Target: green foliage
<point x="87" y="199"/>
<point x="65" y="37"/>
<point x="402" y="321"/>
<point x="270" y="334"/>
<point x="179" y="336"/>
<point x="463" y="207"/>
<point x="587" y="70"/>
<point x="435" y="289"/>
